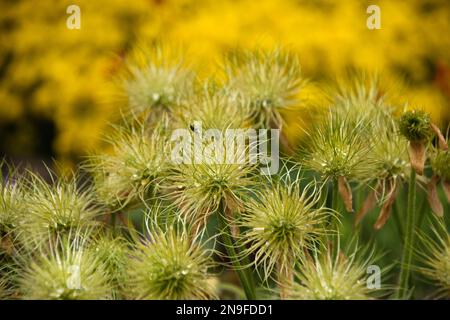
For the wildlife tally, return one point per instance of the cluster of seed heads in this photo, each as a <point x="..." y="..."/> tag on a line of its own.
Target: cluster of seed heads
<point x="132" y="224"/>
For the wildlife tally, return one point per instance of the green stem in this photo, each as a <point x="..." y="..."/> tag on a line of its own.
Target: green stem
<point x="113" y="222"/>
<point x="398" y="221"/>
<point x="422" y="211"/>
<point x="245" y="278"/>
<point x="334" y="205"/>
<point x="409" y="239"/>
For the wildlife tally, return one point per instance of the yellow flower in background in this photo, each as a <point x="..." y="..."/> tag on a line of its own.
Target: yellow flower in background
<point x="64" y="76"/>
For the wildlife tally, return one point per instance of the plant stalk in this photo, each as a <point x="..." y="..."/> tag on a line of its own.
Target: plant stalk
<point x="334" y="205"/>
<point x="409" y="239"/>
<point x="113" y="222"/>
<point x="245" y="277"/>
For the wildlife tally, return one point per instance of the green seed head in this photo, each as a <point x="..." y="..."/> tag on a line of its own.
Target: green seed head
<point x="361" y="117"/>
<point x="3" y="289"/>
<point x="7" y="279"/>
<point x="157" y="82"/>
<point x="415" y="125"/>
<point x="134" y="170"/>
<point x="198" y="188"/>
<point x="214" y="108"/>
<point x="113" y="253"/>
<point x="340" y="146"/>
<point x="390" y="153"/>
<point x="435" y="259"/>
<point x="440" y="162"/>
<point x="331" y="276"/>
<point x="168" y="265"/>
<point x="12" y="204"/>
<point x="270" y="81"/>
<point x="280" y="223"/>
<point x="57" y="209"/>
<point x="67" y="272"/>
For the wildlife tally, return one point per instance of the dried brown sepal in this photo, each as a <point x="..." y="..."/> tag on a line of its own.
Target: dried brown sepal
<point x="446" y="186"/>
<point x="7" y="245"/>
<point x="234" y="230"/>
<point x="386" y="210"/>
<point x="233" y="226"/>
<point x="285" y="280"/>
<point x="346" y="193"/>
<point x="417" y="156"/>
<point x="368" y="205"/>
<point x="433" y="198"/>
<point x="442" y="143"/>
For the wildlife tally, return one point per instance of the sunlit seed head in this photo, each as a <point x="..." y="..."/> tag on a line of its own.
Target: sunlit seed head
<point x="340" y="146"/>
<point x="198" y="188"/>
<point x="434" y="259"/>
<point x="12" y="203"/>
<point x="214" y="108"/>
<point x="365" y="100"/>
<point x="157" y="80"/>
<point x="280" y="223"/>
<point x="204" y="186"/>
<point x="135" y="168"/>
<point x="269" y="80"/>
<point x="359" y="137"/>
<point x="415" y="126"/>
<point x="440" y="163"/>
<point x="333" y="276"/>
<point x="169" y="265"/>
<point x="362" y="95"/>
<point x="66" y="272"/>
<point x="113" y="253"/>
<point x="7" y="278"/>
<point x="390" y="152"/>
<point x="54" y="209"/>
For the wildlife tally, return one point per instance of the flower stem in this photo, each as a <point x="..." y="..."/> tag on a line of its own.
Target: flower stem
<point x="334" y="205"/>
<point x="245" y="277"/>
<point x="113" y="222"/>
<point x="335" y="201"/>
<point x="409" y="239"/>
<point x="398" y="221"/>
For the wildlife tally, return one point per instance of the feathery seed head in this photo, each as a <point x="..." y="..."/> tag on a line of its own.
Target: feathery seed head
<point x="215" y="108"/>
<point x="113" y="253"/>
<point x="169" y="265"/>
<point x="340" y="146"/>
<point x="66" y="272"/>
<point x="11" y="203"/>
<point x="270" y="81"/>
<point x="331" y="276"/>
<point x="135" y="169"/>
<point x="198" y="189"/>
<point x="158" y="82"/>
<point x="390" y="152"/>
<point x="3" y="288"/>
<point x="440" y="162"/>
<point x="56" y="209"/>
<point x="435" y="259"/>
<point x="280" y="223"/>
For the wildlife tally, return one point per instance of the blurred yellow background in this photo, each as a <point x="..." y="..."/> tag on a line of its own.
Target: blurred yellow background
<point x="56" y="84"/>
